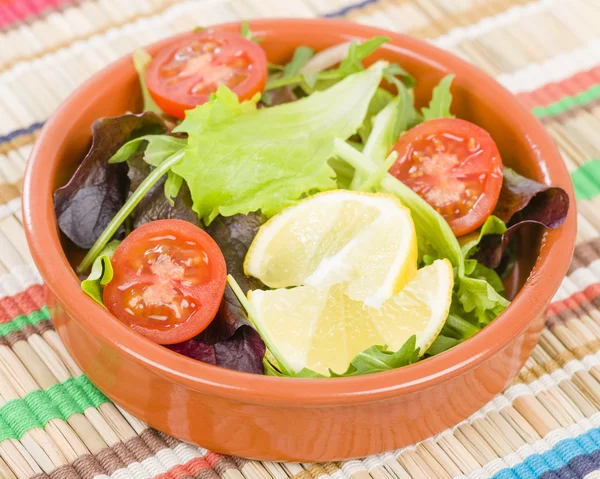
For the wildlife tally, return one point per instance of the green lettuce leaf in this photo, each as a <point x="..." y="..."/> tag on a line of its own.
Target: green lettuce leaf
<point x="161" y="147"/>
<point x="173" y="184"/>
<point x="441" y="100"/>
<point x="475" y="269"/>
<point x="477" y="300"/>
<point x="241" y="159"/>
<point x="395" y="118"/>
<point x="492" y="226"/>
<point x="357" y="52"/>
<point x="158" y="148"/>
<point x="393" y="71"/>
<point x="440" y="344"/>
<point x="301" y="55"/>
<point x="289" y="75"/>
<point x="352" y="63"/>
<point x="379" y="101"/>
<point x="247" y="33"/>
<point x="101" y="273"/>
<point x="434" y="236"/>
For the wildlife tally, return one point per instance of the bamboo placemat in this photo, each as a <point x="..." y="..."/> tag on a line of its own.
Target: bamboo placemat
<point x="55" y="424"/>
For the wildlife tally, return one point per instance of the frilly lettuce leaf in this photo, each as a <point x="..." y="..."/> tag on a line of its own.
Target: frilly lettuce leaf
<point x="101" y="273"/>
<point x="393" y="119"/>
<point x="441" y="100"/>
<point x="477" y="300"/>
<point x="470" y="243"/>
<point x="241" y="159"/>
<point x="522" y="202"/>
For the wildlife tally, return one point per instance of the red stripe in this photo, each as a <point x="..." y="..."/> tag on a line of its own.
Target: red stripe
<point x="556" y="91"/>
<point x="191" y="467"/>
<point x="25" y="302"/>
<point x="575" y="300"/>
<point x="212" y="458"/>
<point x="13" y="11"/>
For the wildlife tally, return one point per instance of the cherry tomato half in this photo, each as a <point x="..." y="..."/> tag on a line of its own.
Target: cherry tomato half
<point x="455" y="166"/>
<point x="169" y="278"/>
<point x="185" y="74"/>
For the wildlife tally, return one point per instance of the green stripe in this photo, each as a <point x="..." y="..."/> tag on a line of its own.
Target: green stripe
<point x="23" y="320"/>
<point x="566" y="103"/>
<point x="586" y="180"/>
<point x="37" y="408"/>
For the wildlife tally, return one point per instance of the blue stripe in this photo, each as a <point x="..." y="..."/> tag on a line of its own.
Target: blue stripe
<point x="578" y="468"/>
<point x="569" y="458"/>
<point x="20" y="131"/>
<point x="343" y="11"/>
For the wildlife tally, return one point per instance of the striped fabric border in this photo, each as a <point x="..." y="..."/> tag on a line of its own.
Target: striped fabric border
<point x="55" y="424"/>
<point x="23" y="315"/>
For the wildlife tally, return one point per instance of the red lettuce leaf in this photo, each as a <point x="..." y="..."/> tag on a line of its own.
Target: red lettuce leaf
<point x="234" y="234"/>
<point x="229" y="341"/>
<point x="522" y="203"/>
<point x="277" y="96"/>
<point x="154" y="205"/>
<point x="97" y="189"/>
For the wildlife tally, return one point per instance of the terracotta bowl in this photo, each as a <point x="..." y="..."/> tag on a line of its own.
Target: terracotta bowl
<point x="292" y="419"/>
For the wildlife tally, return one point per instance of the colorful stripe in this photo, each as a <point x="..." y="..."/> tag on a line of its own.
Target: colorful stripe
<point x="152" y="455"/>
<point x="39" y="407"/>
<point x="20" y="132"/>
<point x="567" y="103"/>
<point x="16" y="11"/>
<point x="350" y="8"/>
<point x="559" y="457"/>
<point x="23" y="303"/>
<point x="586" y="178"/>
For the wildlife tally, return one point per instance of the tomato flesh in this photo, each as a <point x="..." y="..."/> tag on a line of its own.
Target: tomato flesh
<point x="455" y="166"/>
<point x="169" y="278"/>
<point x="185" y="74"/>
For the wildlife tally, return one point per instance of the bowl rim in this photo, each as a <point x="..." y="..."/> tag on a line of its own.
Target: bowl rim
<point x="544" y="280"/>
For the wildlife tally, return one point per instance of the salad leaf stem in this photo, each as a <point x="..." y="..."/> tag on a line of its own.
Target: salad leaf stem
<point x="375" y="179"/>
<point x="154" y="176"/>
<point x="461" y="327"/>
<point x="293" y="80"/>
<point x="433" y="230"/>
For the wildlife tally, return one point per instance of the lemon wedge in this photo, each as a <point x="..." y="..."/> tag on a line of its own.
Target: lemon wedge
<point x="319" y="329"/>
<point x="366" y="241"/>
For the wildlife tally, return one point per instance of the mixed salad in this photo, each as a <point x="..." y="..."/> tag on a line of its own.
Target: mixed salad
<point x="301" y="220"/>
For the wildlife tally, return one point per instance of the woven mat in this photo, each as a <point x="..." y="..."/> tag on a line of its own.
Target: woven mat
<point x="55" y="424"/>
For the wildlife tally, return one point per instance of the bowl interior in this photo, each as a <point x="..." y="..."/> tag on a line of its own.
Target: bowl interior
<point x="521" y="139"/>
<point x="468" y="103"/>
